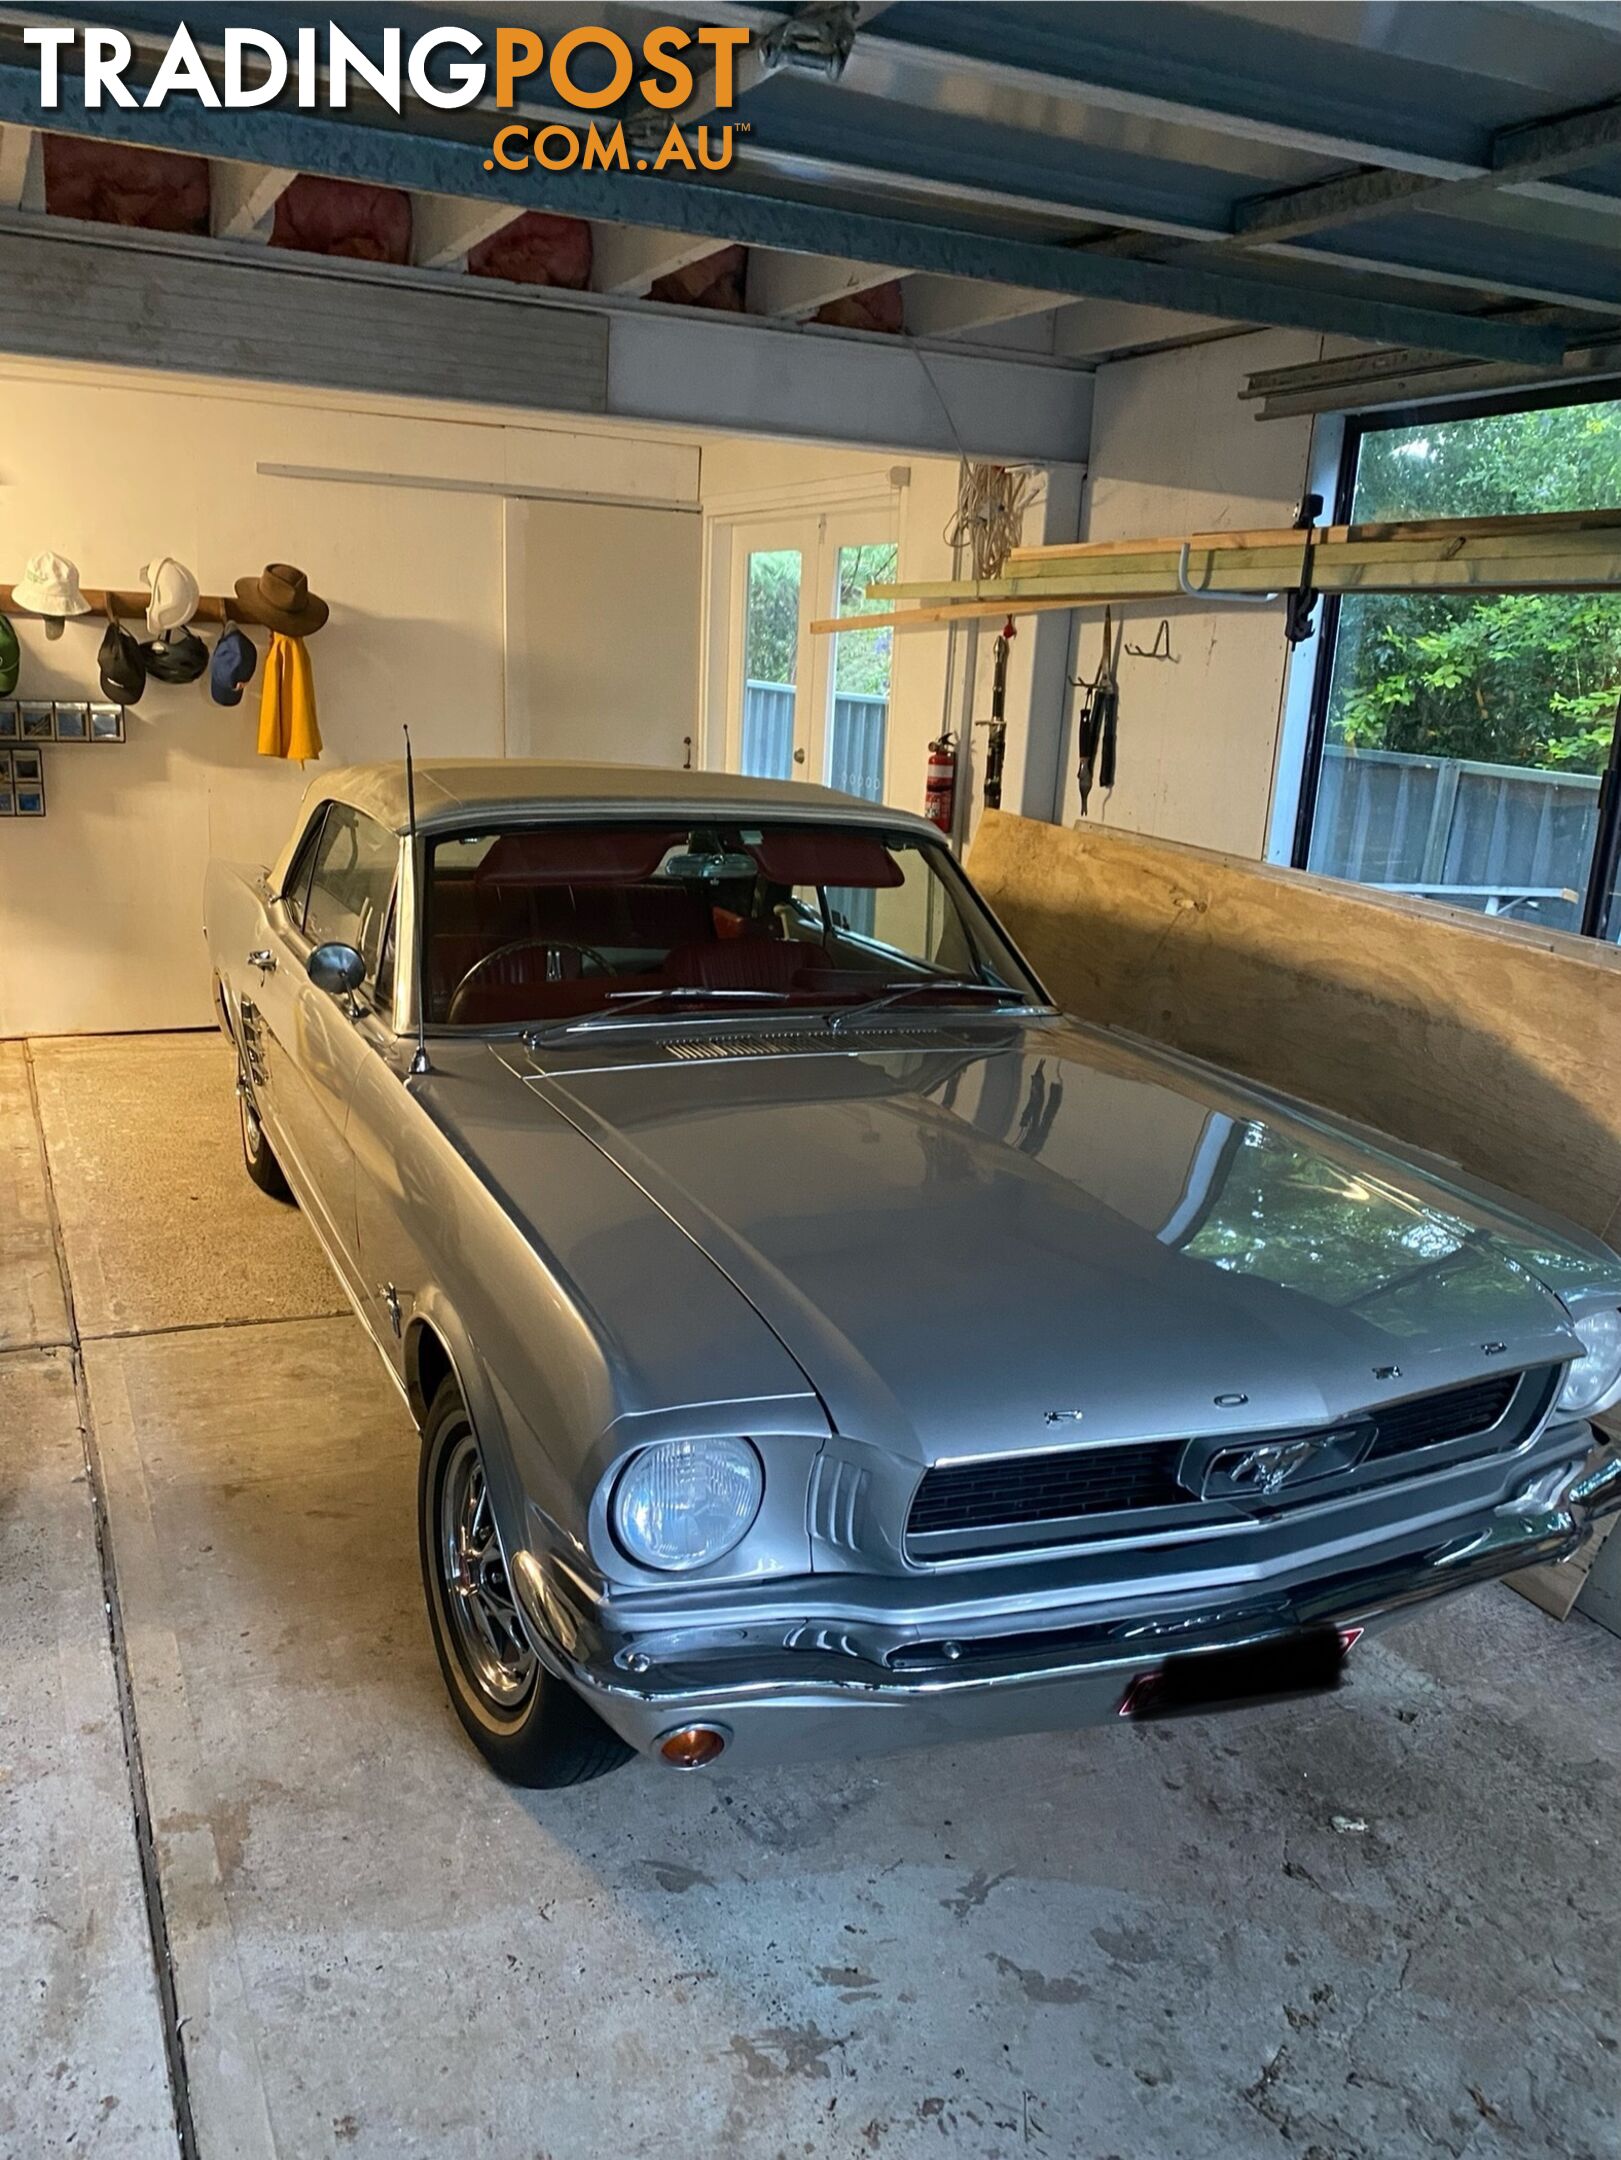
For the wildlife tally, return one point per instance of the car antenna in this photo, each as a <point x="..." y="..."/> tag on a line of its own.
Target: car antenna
<point x="419" y="1062"/>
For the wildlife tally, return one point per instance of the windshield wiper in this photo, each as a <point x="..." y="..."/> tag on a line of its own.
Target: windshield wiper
<point x="893" y="993"/>
<point x="621" y="1002"/>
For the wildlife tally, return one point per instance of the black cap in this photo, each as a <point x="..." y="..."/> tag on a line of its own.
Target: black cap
<point x="123" y="671"/>
<point x="179" y="658"/>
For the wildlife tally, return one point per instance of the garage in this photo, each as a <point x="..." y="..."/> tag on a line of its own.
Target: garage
<point x="810" y="1175"/>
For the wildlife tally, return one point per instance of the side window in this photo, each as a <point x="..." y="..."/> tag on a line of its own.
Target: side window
<point x="351" y="884"/>
<point x="296" y="891"/>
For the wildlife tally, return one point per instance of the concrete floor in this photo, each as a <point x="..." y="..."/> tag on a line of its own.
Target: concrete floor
<point x="1380" y="1927"/>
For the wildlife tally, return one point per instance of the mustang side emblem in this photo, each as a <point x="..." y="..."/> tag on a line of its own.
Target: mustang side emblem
<point x="1062" y="1417"/>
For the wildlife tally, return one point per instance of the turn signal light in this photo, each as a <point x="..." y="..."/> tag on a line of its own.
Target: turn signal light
<point x="693" y="1746"/>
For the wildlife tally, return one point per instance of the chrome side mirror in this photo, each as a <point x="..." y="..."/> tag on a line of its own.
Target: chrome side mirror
<point x="338" y="969"/>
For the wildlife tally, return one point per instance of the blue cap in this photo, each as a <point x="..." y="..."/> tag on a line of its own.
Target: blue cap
<point x="233" y="665"/>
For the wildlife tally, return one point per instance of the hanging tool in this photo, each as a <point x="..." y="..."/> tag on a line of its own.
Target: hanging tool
<point x="996" y="737"/>
<point x="1099" y="716"/>
<point x="1300" y="605"/>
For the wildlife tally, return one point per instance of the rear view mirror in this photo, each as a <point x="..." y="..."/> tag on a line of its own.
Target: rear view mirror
<point x="338" y="969"/>
<point x="710" y="869"/>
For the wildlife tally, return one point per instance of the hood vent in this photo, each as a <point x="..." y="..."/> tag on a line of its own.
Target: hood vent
<point x="865" y="1043"/>
<point x="738" y="1046"/>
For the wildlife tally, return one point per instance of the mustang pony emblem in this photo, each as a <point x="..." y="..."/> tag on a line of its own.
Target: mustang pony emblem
<point x="1267" y="1469"/>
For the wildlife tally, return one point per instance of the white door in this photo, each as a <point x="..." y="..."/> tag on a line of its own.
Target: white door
<point x="803" y="706"/>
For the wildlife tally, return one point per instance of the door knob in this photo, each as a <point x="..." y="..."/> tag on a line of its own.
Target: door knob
<point x="799" y="757"/>
<point x="264" y="961"/>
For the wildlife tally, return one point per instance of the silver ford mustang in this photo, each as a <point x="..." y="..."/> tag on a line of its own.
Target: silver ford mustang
<point x="819" y="1343"/>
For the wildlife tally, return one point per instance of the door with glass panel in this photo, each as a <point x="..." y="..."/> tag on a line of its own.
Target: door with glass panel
<point x="801" y="706"/>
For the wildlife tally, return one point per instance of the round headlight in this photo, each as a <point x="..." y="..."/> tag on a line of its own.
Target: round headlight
<point x="1594" y="1379"/>
<point x="684" y="1503"/>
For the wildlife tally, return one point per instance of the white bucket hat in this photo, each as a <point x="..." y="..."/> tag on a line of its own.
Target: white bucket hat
<point x="50" y="587"/>
<point x="172" y="595"/>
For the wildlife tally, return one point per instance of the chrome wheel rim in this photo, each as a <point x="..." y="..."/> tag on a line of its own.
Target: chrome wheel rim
<point x="252" y="1130"/>
<point x="490" y="1640"/>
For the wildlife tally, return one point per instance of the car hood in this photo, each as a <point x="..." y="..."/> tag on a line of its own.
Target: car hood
<point x="1029" y="1235"/>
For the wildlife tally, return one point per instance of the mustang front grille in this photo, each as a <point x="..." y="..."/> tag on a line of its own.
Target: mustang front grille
<point x="986" y="1506"/>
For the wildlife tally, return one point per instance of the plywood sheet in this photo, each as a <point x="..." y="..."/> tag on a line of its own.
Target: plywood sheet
<point x="1498" y="1048"/>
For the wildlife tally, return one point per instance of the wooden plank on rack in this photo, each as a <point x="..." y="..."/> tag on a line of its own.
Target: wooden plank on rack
<point x="1441" y="529"/>
<point x="931" y="618"/>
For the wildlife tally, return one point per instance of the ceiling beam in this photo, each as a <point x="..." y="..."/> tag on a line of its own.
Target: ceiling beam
<point x="1514" y="156"/>
<point x="940" y="307"/>
<point x="22" y="169"/>
<point x="629" y="259"/>
<point x="793" y="287"/>
<point x="1191" y="66"/>
<point x="402" y="157"/>
<point x="242" y="199"/>
<point x="445" y="230"/>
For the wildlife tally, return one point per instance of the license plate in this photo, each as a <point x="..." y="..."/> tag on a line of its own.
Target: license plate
<point x="1312" y="1663"/>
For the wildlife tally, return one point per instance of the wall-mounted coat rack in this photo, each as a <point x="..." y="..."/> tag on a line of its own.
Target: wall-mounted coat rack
<point x="211" y="607"/>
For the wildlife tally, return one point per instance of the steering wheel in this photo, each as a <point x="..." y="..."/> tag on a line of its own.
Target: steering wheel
<point x="523" y="944"/>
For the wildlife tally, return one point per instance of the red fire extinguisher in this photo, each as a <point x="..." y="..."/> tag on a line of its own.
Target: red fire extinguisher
<point x="940" y="793"/>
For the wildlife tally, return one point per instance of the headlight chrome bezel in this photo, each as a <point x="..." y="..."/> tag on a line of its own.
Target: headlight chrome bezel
<point x="630" y="1489"/>
<point x="1589" y="1393"/>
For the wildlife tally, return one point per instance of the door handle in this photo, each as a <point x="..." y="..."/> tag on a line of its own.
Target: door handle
<point x="799" y="757"/>
<point x="264" y="960"/>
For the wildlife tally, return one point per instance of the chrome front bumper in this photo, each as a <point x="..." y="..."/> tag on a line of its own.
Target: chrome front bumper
<point x="847" y="1679"/>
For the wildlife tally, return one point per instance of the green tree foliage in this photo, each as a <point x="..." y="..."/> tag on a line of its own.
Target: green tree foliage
<point x="862" y="658"/>
<point x="771" y="642"/>
<point x="1519" y="679"/>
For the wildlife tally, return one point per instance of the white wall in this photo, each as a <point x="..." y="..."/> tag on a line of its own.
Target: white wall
<point x="603" y="611"/>
<point x="100" y="902"/>
<point x="1174" y="452"/>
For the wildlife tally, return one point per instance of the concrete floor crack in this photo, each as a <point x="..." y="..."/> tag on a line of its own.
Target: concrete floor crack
<point x="151" y="1885"/>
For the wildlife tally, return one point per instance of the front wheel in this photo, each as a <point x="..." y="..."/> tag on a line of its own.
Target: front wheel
<point x="529" y="1726"/>
<point x="261" y="1163"/>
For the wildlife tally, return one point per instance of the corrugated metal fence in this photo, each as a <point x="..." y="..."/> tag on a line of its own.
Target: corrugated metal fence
<point x="855" y="751"/>
<point x="1502" y="838"/>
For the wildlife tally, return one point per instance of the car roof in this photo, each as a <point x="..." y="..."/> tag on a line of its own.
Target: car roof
<point x="449" y="790"/>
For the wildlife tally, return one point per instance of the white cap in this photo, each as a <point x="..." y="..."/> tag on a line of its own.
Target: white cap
<point x="172" y="595"/>
<point x="50" y="586"/>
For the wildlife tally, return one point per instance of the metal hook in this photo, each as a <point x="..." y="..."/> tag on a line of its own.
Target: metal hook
<point x="1216" y="592"/>
<point x="1161" y="647"/>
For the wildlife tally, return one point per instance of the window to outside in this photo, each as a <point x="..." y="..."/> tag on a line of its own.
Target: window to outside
<point x="352" y="883"/>
<point x="770" y="662"/>
<point x="528" y="925"/>
<point x="1464" y="740"/>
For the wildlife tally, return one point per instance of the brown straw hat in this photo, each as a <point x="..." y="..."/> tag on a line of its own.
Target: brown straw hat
<point x="281" y="599"/>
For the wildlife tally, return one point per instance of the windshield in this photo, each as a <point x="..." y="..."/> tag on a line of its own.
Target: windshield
<point x="537" y="925"/>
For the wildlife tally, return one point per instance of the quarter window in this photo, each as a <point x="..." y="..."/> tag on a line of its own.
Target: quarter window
<point x="351" y="884"/>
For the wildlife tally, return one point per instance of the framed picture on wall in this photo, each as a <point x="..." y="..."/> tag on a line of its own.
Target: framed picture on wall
<point x="30" y="802"/>
<point x="36" y="720"/>
<point x="106" y="723"/>
<point x="27" y="766"/>
<point x="8" y="722"/>
<point x="72" y="722"/>
<point x="7" y="800"/>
